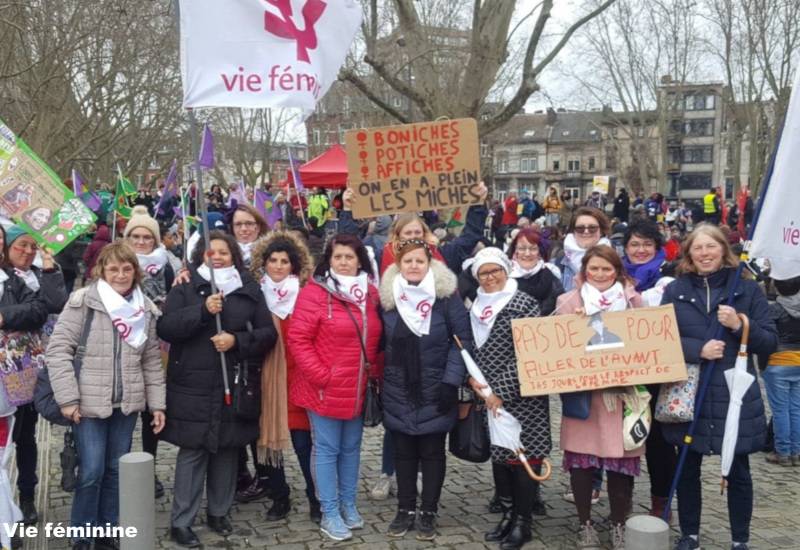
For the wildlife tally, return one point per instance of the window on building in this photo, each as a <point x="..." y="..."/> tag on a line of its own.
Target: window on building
<point x="343" y="128"/>
<point x="698" y="127"/>
<point x="346" y="104"/>
<point x="591" y="163"/>
<point x="484" y="149"/>
<point x="565" y="133"/>
<point x="695" y="182"/>
<point x="502" y="164"/>
<point x="321" y="108"/>
<point x="614" y="131"/>
<point x="697" y="155"/>
<point x="397" y="102"/>
<point x="674" y="155"/>
<point x="592" y="132"/>
<point x="301" y="154"/>
<point x="139" y="180"/>
<point x="699" y="101"/>
<point x="640" y="131"/>
<point x="316" y="136"/>
<point x="529" y="133"/>
<point x="573" y="165"/>
<point x="556" y="165"/>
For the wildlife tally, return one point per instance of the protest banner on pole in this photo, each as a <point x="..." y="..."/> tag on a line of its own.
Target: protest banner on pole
<point x="568" y="353"/>
<point x="35" y="198"/>
<point x="600" y="183"/>
<point x="425" y="166"/>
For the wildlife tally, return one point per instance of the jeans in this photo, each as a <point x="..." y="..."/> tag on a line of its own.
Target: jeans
<point x="420" y="451"/>
<point x="101" y="442"/>
<point x="27" y="452"/>
<point x="387" y="457"/>
<point x="336" y="456"/>
<point x="740" y="496"/>
<point x="783" y="392"/>
<point x="552" y="218"/>
<point x="301" y="441"/>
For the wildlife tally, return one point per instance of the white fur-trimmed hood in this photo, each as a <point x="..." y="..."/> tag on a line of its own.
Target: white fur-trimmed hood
<point x="446" y="283"/>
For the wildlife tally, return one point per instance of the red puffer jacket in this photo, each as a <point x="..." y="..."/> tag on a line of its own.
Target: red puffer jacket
<point x="331" y="377"/>
<point x="298" y="418"/>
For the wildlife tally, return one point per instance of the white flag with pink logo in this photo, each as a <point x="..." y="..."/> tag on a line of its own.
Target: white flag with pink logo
<point x="263" y="53"/>
<point x="777" y="233"/>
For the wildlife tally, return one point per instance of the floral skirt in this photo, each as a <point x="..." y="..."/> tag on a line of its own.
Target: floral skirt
<point x="629" y="466"/>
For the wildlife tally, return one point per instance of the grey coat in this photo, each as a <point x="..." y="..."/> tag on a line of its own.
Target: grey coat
<point x="142" y="375"/>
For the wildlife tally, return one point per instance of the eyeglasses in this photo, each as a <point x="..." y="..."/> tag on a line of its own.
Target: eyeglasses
<point x="644" y="245"/>
<point x="492" y="273"/>
<point x="527" y="249"/>
<point x="143" y="238"/>
<point x="246" y="225"/>
<point x="128" y="270"/>
<point x="586" y="228"/>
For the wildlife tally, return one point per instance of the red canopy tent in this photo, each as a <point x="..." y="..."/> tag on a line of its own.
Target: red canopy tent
<point x="329" y="170"/>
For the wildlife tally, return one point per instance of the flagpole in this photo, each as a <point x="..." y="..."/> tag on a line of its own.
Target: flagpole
<point x="704" y="383"/>
<point x="207" y="242"/>
<point x="294" y="177"/>
<point x="185" y="228"/>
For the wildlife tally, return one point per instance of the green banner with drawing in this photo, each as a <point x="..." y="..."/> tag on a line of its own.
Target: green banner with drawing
<point x="34" y="197"/>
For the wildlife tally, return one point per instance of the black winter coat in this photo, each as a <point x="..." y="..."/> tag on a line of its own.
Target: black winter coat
<point x="544" y="286"/>
<point x="697" y="325"/>
<point x="441" y="360"/>
<point x="198" y="415"/>
<point x="21" y="308"/>
<point x="52" y="288"/>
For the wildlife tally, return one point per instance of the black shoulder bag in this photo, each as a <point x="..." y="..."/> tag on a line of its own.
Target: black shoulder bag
<point x="247" y="386"/>
<point x="373" y="408"/>
<point x="43" y="399"/>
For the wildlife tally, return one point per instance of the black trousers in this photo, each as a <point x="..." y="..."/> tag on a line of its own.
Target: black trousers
<point x="27" y="452"/>
<point x="419" y="452"/>
<point x="149" y="438"/>
<point x="661" y="457"/>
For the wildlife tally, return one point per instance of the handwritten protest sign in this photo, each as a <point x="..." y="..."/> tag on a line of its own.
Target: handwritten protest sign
<point x="424" y="166"/>
<point x="33" y="195"/>
<point x="570" y="353"/>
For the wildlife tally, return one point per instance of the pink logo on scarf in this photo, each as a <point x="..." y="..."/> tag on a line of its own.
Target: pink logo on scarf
<point x="151" y="269"/>
<point x="605" y="302"/>
<point x="281" y="293"/>
<point x="123" y="328"/>
<point x="357" y="293"/>
<point x="424" y="307"/>
<point x="403" y="297"/>
<point x="486" y="313"/>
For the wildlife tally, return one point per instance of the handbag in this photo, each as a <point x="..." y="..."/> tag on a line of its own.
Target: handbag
<point x="636" y="423"/>
<point x="469" y="440"/>
<point x="675" y="401"/>
<point x="247" y="387"/>
<point x="576" y="404"/>
<point x="44" y="401"/>
<point x="373" y="407"/>
<point x="69" y="462"/>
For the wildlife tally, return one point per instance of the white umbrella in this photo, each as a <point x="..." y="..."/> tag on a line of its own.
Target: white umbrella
<point x="739" y="381"/>
<point x="504" y="429"/>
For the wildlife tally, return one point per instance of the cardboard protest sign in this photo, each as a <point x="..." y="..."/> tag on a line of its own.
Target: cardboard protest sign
<point x="424" y="166"/>
<point x="34" y="197"/>
<point x="568" y="353"/>
<point x="600" y="183"/>
<point x="21" y="359"/>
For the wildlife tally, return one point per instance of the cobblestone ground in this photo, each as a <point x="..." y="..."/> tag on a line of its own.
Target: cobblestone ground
<point x="463" y="516"/>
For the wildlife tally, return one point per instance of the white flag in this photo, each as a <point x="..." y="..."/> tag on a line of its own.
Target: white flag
<point x="777" y="233"/>
<point x="263" y="53"/>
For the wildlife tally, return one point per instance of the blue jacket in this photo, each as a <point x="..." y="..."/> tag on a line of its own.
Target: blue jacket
<point x="440" y="357"/>
<point x="697" y="324"/>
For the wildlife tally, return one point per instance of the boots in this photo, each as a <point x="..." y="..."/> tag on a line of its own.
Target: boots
<point x="657" y="507"/>
<point x="520" y="534"/>
<point x="502" y="529"/>
<point x="524" y="490"/>
<point x="504" y="488"/>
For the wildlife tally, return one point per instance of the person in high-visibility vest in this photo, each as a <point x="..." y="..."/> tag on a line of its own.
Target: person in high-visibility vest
<point x="711" y="207"/>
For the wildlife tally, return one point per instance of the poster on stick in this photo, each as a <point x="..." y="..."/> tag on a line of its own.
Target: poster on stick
<point x="568" y="353"/>
<point x="600" y="183"/>
<point x="33" y="195"/>
<point x="424" y="166"/>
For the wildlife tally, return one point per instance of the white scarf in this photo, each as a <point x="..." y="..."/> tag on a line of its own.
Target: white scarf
<point x="282" y="296"/>
<point x="652" y="296"/>
<point x="29" y="277"/>
<point x="128" y="317"/>
<point x="595" y="301"/>
<point x="155" y="261"/>
<point x="227" y="279"/>
<point x="3" y="279"/>
<point x="486" y="308"/>
<point x="518" y="272"/>
<point x="353" y="288"/>
<point x="573" y="254"/>
<point x="415" y="302"/>
<point x="247" y="250"/>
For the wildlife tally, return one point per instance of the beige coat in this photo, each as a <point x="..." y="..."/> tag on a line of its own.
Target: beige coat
<point x="142" y="374"/>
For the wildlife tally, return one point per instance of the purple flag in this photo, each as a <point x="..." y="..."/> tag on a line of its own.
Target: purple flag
<point x="265" y="204"/>
<point x="207" y="150"/>
<point x="169" y="189"/>
<point x="89" y="199"/>
<point x="295" y="172"/>
<point x="237" y="194"/>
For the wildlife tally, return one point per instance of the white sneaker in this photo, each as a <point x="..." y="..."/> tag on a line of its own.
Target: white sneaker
<point x="568" y="496"/>
<point x="419" y="483"/>
<point x="382" y="489"/>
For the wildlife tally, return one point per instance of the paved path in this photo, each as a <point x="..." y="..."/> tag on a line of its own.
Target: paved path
<point x="463" y="516"/>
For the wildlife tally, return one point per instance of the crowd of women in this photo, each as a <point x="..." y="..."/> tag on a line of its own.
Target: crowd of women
<point x="316" y="337"/>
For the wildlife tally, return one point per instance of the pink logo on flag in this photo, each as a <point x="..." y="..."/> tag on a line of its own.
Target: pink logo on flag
<point x="284" y="26"/>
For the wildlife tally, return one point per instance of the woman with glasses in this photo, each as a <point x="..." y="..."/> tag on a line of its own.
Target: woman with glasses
<point x="499" y="300"/>
<point x="646" y="263"/>
<point x="596" y="442"/>
<point x="587" y="228"/>
<point x="534" y="275"/>
<point x="247" y="225"/>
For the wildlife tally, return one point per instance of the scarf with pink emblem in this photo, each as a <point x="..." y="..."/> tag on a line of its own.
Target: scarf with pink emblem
<point x="282" y="296"/>
<point x="127" y="316"/>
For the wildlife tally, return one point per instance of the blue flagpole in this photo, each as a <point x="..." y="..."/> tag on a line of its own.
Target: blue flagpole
<point x="703" y="389"/>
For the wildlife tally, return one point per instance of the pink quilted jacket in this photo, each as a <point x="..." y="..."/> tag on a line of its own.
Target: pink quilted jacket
<point x="331" y="377"/>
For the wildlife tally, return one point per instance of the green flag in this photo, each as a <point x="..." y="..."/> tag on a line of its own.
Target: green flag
<point x="125" y="189"/>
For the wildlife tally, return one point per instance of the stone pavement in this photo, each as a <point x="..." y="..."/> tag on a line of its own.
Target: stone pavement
<point x="463" y="516"/>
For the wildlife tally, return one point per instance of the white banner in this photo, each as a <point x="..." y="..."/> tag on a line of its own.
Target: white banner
<point x="777" y="234"/>
<point x="263" y="53"/>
